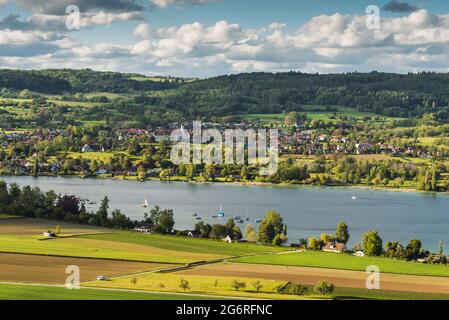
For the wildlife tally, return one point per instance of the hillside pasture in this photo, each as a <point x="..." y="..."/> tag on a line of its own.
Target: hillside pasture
<point x="100" y="249"/>
<point x="185" y="244"/>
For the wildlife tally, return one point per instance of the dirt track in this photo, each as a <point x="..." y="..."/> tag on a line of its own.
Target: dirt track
<point x="51" y="270"/>
<point x="310" y="276"/>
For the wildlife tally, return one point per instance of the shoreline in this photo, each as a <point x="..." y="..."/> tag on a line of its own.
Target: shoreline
<point x="235" y="183"/>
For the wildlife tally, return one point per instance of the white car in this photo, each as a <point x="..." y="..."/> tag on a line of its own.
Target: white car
<point x="101" y="278"/>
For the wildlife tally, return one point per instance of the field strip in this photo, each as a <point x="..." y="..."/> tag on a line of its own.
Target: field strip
<point x="86" y="257"/>
<point x="310" y="276"/>
<point x="127" y="290"/>
<point x="52" y="270"/>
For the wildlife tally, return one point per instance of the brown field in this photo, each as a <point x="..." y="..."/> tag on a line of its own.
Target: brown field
<point x="51" y="270"/>
<point x="33" y="227"/>
<point x="310" y="276"/>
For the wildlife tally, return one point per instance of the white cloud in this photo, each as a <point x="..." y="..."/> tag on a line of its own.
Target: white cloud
<point x="166" y="3"/>
<point x="326" y="43"/>
<point x="142" y="31"/>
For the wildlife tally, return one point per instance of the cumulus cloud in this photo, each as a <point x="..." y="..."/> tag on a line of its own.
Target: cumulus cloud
<point x="166" y="3"/>
<point x="397" y="6"/>
<point x="325" y="43"/>
<point x="47" y="22"/>
<point x="58" y="7"/>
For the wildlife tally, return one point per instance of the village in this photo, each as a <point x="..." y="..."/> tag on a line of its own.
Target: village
<point x="32" y="151"/>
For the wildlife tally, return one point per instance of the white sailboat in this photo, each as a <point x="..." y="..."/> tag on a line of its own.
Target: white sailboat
<point x="145" y="204"/>
<point x="221" y="213"/>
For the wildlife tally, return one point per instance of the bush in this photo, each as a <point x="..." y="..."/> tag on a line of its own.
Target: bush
<point x="299" y="290"/>
<point x="291" y="288"/>
<point x="324" y="288"/>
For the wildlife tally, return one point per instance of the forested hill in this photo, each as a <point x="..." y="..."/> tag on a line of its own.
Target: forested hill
<point x="56" y="81"/>
<point x="400" y="95"/>
<point x="383" y="93"/>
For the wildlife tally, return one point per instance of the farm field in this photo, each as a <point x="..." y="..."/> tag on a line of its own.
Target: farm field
<point x="347" y="262"/>
<point x="184" y="244"/>
<point x="320" y="113"/>
<point x="51" y="270"/>
<point x="215" y="285"/>
<point x="25" y="236"/>
<point x="35" y="292"/>
<point x="35" y="227"/>
<point x="311" y="276"/>
<point x="100" y="249"/>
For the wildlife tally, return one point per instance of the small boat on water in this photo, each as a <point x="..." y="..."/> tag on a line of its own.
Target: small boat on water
<point x="246" y="217"/>
<point x="199" y="218"/>
<point x="221" y="213"/>
<point x="145" y="204"/>
<point x="237" y="218"/>
<point x="195" y="214"/>
<point x="240" y="221"/>
<point x="258" y="220"/>
<point x="354" y="198"/>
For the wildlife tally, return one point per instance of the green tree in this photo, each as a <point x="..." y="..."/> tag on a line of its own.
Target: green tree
<point x="184" y="284"/>
<point x="238" y="285"/>
<point x="102" y="213"/>
<point x="323" y="288"/>
<point x="270" y="227"/>
<point x="413" y="249"/>
<point x="342" y="233"/>
<point x="202" y="229"/>
<point x="162" y="220"/>
<point x="250" y="233"/>
<point x="314" y="244"/>
<point x="257" y="285"/>
<point x="299" y="289"/>
<point x="372" y="243"/>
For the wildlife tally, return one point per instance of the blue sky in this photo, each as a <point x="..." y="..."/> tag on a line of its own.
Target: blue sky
<point x="205" y="38"/>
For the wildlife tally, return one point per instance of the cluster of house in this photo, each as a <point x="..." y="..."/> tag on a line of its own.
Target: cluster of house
<point x="301" y="141"/>
<point x="312" y="143"/>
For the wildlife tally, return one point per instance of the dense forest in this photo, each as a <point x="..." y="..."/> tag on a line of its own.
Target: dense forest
<point x="57" y="81"/>
<point x="399" y="95"/>
<point x="386" y="94"/>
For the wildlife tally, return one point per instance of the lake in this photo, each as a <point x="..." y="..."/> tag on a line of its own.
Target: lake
<point x="308" y="211"/>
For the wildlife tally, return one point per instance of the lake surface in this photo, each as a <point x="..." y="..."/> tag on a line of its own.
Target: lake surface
<point x="308" y="211"/>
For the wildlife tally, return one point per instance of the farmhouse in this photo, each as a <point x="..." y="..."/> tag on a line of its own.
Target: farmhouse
<point x="89" y="148"/>
<point x="335" y="247"/>
<point x="143" y="228"/>
<point x="228" y="239"/>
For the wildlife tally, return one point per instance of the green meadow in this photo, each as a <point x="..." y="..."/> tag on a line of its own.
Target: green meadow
<point x="36" y="292"/>
<point x="347" y="262"/>
<point x="185" y="244"/>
